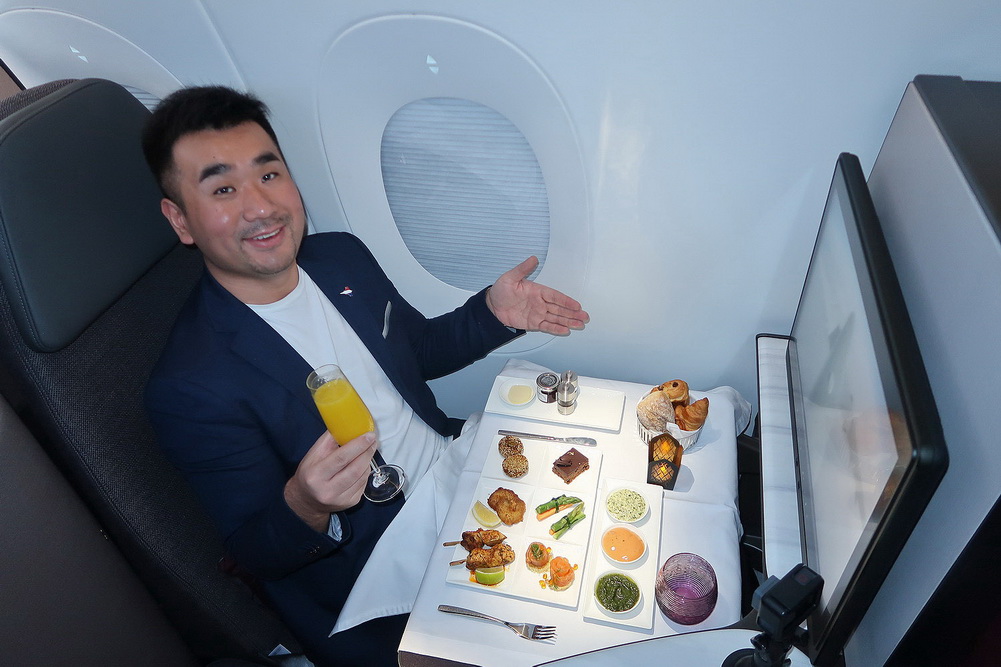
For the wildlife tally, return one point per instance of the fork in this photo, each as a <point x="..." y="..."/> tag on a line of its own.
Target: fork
<point x="526" y="630"/>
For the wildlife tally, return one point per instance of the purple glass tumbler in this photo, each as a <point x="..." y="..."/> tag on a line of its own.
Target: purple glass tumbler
<point x="686" y="589"/>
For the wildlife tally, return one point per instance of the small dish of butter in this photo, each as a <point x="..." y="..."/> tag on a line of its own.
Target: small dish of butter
<point x="517" y="392"/>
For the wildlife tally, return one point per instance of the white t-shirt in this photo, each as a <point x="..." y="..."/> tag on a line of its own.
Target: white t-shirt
<point x="316" y="330"/>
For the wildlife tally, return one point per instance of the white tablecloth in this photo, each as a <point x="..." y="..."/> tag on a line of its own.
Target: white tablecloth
<point x="699" y="516"/>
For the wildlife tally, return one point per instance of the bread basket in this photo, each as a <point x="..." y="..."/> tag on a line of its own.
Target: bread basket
<point x="687" y="439"/>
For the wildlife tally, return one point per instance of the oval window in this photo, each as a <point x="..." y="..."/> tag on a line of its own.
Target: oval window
<point x="465" y="189"/>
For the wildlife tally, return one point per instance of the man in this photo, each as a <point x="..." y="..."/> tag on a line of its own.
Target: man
<point x="228" y="398"/>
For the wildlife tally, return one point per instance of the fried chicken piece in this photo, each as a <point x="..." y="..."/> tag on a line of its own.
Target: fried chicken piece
<point x="472" y="539"/>
<point x="477" y="558"/>
<point x="509" y="507"/>
<point x="502" y="554"/>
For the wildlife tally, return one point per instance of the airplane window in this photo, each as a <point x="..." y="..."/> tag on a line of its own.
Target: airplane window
<point x="465" y="189"/>
<point x="149" y="100"/>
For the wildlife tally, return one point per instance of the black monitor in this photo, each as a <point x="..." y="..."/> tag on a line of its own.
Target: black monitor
<point x="868" y="441"/>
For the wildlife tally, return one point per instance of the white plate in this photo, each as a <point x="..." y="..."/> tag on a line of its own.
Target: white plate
<point x="643" y="571"/>
<point x="622" y="565"/>
<point x="484" y="489"/>
<point x="577" y="535"/>
<point x="615" y="518"/>
<point x="541" y="456"/>
<point x="520" y="582"/>
<point x="596" y="407"/>
<point x="536" y="454"/>
<point x="629" y="613"/>
<point x="504" y="391"/>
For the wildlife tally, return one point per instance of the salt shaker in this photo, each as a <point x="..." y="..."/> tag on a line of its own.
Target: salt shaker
<point x="571" y="378"/>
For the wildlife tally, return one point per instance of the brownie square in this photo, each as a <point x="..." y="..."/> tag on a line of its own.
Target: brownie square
<point x="570" y="465"/>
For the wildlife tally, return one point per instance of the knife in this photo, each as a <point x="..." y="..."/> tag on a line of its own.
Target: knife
<point x="589" y="442"/>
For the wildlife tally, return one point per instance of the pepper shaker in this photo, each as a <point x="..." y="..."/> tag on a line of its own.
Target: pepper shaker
<point x="571" y="378"/>
<point x="566" y="393"/>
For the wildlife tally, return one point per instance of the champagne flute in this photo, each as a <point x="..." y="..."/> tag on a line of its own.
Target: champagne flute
<point x="347" y="417"/>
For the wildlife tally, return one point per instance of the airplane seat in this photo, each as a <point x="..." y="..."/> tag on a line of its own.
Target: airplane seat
<point x="91" y="279"/>
<point x="60" y="572"/>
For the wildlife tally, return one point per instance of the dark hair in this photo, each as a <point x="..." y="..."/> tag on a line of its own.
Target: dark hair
<point x="192" y="110"/>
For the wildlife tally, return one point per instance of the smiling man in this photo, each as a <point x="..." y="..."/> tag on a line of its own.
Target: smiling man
<point x="228" y="398"/>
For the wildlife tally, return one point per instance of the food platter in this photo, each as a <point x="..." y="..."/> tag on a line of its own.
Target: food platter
<point x="520" y="582"/>
<point x="597" y="407"/>
<point x="537" y="487"/>
<point x="643" y="571"/>
<point x="540" y="457"/>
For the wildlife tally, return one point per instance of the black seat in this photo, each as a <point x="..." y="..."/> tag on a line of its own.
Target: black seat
<point x="91" y="279"/>
<point x="69" y="597"/>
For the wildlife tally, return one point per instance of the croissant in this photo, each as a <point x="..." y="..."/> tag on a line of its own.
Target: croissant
<point x="676" y="390"/>
<point x="692" y="417"/>
<point x="655" y="410"/>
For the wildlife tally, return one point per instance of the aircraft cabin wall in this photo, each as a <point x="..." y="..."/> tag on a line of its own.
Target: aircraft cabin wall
<point x="686" y="148"/>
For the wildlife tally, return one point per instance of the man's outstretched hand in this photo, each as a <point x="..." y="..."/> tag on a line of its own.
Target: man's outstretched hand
<point x="522" y="304"/>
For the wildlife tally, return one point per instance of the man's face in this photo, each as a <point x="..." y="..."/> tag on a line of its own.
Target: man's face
<point x="240" y="206"/>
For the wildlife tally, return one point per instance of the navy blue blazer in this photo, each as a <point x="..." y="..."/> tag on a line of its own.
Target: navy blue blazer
<point x="230" y="407"/>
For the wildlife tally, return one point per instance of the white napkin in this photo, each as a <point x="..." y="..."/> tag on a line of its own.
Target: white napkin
<point x="522" y="368"/>
<point x="388" y="583"/>
<point x="741" y="408"/>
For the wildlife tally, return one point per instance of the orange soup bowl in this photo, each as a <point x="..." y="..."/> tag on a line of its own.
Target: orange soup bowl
<point x="622" y="545"/>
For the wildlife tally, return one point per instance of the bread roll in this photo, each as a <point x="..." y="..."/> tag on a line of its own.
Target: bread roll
<point x="692" y="417"/>
<point x="655" y="410"/>
<point x="677" y="391"/>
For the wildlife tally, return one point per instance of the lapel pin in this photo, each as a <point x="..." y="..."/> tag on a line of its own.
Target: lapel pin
<point x="347" y="290"/>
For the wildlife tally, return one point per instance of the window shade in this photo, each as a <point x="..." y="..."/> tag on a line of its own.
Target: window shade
<point x="465" y="189"/>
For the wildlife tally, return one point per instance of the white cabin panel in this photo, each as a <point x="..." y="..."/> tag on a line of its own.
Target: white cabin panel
<point x="153" y="46"/>
<point x="706" y="137"/>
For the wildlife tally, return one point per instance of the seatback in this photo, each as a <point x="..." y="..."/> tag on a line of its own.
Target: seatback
<point x="69" y="598"/>
<point x="91" y="279"/>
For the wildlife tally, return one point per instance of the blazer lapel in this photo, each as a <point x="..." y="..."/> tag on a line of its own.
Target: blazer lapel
<point x="363" y="306"/>
<point x="253" y="339"/>
<point x="262" y="347"/>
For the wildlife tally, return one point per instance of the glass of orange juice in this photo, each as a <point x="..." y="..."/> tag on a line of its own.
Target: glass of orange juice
<point x="347" y="417"/>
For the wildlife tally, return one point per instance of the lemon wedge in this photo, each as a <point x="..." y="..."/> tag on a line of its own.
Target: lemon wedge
<point x="485" y="516"/>
<point x="489" y="576"/>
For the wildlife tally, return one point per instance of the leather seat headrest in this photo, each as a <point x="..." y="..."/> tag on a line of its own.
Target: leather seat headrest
<point x="80" y="218"/>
